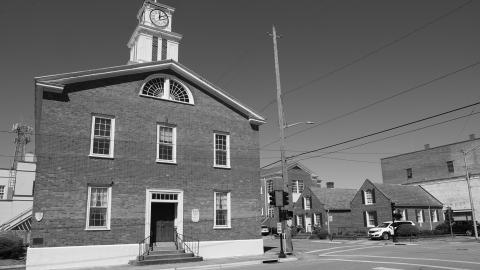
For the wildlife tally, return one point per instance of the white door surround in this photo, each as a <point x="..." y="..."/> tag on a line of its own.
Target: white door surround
<point x="164" y="196"/>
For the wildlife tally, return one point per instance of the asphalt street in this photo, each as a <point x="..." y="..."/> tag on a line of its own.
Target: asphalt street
<point x="456" y="254"/>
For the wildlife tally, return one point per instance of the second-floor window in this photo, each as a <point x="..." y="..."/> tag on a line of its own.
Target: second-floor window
<point x="308" y="203"/>
<point x="2" y="192"/>
<point x="450" y="167"/>
<point x="102" y="137"/>
<point x="369" y="196"/>
<point x="166" y="143"/>
<point x="297" y="186"/>
<point x="222" y="150"/>
<point x="409" y="173"/>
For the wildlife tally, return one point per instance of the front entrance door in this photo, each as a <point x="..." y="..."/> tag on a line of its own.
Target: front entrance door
<point x="162" y="226"/>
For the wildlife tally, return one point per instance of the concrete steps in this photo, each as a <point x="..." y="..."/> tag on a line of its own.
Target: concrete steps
<point x="165" y="255"/>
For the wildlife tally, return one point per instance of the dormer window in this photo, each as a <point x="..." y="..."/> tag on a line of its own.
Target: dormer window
<point x="166" y="88"/>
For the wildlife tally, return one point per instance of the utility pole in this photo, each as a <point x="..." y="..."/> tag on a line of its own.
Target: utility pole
<point x="281" y="125"/>
<point x="467" y="177"/>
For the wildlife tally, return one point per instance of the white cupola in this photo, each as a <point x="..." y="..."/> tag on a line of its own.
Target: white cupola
<point x="153" y="39"/>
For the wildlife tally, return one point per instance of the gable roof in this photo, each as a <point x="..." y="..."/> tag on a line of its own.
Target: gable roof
<point x="403" y="195"/>
<point x="334" y="198"/>
<point x="278" y="169"/>
<point x="56" y="83"/>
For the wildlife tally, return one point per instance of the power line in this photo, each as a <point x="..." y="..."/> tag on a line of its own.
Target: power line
<point x="388" y="137"/>
<point x="379" y="132"/>
<point x="373" y="52"/>
<point x="410" y="89"/>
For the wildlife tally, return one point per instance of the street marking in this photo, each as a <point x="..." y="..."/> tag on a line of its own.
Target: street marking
<point x="400" y="263"/>
<point x="318" y="250"/>
<point x="385" y="268"/>
<point x="345" y="250"/>
<point x="329" y="242"/>
<point x="406" y="258"/>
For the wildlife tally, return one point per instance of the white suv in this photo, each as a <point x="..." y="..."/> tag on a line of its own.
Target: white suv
<point x="386" y="229"/>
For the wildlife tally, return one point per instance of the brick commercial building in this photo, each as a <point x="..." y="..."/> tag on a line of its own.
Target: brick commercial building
<point x="143" y="150"/>
<point x="328" y="208"/>
<point x="299" y="178"/>
<point x="372" y="205"/>
<point x="441" y="171"/>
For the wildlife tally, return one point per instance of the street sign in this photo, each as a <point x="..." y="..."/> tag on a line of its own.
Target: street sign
<point x="279" y="227"/>
<point x="195" y="215"/>
<point x="330" y="218"/>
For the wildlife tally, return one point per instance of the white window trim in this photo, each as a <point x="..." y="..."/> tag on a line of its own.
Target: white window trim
<point x="112" y="136"/>
<point x="434" y="215"/>
<point x="174" y="144"/>
<point x="296" y="186"/>
<point x="419" y="212"/>
<point x="307" y="207"/>
<point x="366" y="198"/>
<point x="367" y="216"/>
<point x="229" y="211"/>
<point x="215" y="154"/>
<point x="109" y="209"/>
<point x="166" y="89"/>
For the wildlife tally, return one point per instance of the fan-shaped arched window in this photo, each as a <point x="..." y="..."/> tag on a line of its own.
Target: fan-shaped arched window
<point x="166" y="88"/>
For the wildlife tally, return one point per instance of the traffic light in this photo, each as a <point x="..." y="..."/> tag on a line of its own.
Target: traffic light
<point x="272" y="198"/>
<point x="285" y="198"/>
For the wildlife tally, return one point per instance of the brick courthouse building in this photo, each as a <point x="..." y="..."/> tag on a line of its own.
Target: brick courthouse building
<point x="141" y="150"/>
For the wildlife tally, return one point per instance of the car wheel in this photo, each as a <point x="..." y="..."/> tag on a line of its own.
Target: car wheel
<point x="469" y="233"/>
<point x="385" y="236"/>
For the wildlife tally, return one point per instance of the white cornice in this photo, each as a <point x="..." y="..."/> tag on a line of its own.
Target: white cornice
<point x="153" y="31"/>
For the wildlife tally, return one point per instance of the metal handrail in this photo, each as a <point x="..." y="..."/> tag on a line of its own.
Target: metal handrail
<point x="144" y="248"/>
<point x="183" y="242"/>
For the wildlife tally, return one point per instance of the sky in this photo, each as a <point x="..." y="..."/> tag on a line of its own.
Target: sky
<point x="398" y="60"/>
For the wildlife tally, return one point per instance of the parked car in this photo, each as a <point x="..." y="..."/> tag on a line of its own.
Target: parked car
<point x="265" y="230"/>
<point x="464" y="227"/>
<point x="386" y="229"/>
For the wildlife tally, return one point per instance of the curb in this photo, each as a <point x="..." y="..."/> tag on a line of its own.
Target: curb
<point x="13" y="267"/>
<point x="236" y="264"/>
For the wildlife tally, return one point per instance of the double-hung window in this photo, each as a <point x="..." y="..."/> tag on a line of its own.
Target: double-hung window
<point x="222" y="150"/>
<point x="99" y="208"/>
<point x="2" y="192"/>
<point x="297" y="186"/>
<point x="308" y="203"/>
<point x="370" y="218"/>
<point x="419" y="214"/>
<point x="368" y="197"/>
<point x="221" y="218"/>
<point x="102" y="137"/>
<point x="434" y="215"/>
<point x="166" y="143"/>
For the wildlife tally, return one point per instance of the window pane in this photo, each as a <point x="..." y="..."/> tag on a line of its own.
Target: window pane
<point x="98" y="217"/>
<point x="165" y="152"/>
<point x="98" y="197"/>
<point x="102" y="136"/>
<point x="221" y="217"/>
<point x="165" y="135"/>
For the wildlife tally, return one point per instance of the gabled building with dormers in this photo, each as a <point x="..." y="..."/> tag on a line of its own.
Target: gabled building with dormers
<point x="142" y="153"/>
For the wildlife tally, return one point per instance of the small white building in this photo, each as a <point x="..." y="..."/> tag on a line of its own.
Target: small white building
<point x="16" y="195"/>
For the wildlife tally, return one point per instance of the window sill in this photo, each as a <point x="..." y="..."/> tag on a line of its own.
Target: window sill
<point x="222" y="228"/>
<point x="97" y="229"/>
<point x="100" y="156"/>
<point x="166" y="161"/>
<point x="222" y="167"/>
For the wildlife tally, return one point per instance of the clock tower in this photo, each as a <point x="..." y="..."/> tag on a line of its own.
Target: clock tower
<point x="153" y="39"/>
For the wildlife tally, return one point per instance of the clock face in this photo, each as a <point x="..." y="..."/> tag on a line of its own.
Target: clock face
<point x="159" y="17"/>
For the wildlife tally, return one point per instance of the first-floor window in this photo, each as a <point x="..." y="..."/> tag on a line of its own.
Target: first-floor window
<point x="300" y="221"/>
<point x="166" y="143"/>
<point x="419" y="214"/>
<point x="371" y="218"/>
<point x="2" y="192"/>
<point x="317" y="219"/>
<point x="403" y="212"/>
<point x="434" y="215"/>
<point x="99" y="208"/>
<point x="222" y="210"/>
<point x="102" y="137"/>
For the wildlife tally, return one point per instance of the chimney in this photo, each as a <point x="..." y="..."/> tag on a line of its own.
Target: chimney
<point x="427" y="146"/>
<point x="330" y="185"/>
<point x="472" y="136"/>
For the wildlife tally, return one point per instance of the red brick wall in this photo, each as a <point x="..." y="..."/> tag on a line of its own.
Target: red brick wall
<point x="64" y="168"/>
<point x="431" y="163"/>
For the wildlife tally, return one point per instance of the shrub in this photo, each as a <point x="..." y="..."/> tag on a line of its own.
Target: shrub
<point x="406" y="230"/>
<point x="321" y="233"/>
<point x="11" y="248"/>
<point x="426" y="232"/>
<point x="443" y="228"/>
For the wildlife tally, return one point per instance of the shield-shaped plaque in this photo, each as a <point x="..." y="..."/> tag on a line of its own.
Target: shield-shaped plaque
<point x="38" y="216"/>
